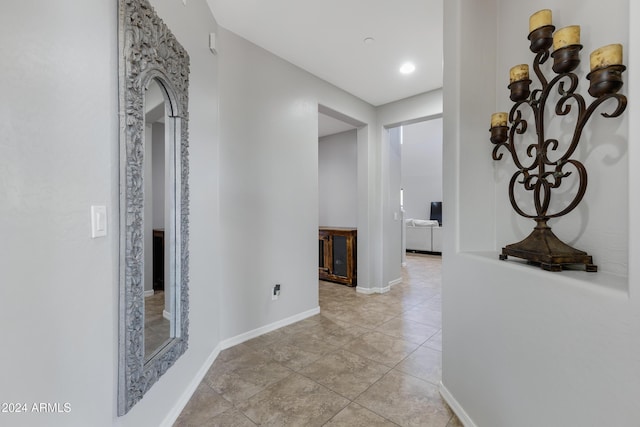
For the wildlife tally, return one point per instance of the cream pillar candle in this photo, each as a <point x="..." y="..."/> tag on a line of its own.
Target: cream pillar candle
<point x="606" y="55"/>
<point x="498" y="119"/>
<point x="519" y="72"/>
<point x="566" y="36"/>
<point x="539" y="19"/>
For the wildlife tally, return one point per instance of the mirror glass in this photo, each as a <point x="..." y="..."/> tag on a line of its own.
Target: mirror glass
<point x="159" y="312"/>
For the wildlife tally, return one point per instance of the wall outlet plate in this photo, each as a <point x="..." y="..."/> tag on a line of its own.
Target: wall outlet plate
<point x="275" y="292"/>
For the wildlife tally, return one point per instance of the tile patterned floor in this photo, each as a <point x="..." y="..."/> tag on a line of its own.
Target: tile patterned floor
<point x="365" y="360"/>
<point x="156" y="327"/>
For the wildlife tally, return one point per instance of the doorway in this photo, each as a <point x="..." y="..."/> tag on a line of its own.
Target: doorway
<point x="338" y="197"/>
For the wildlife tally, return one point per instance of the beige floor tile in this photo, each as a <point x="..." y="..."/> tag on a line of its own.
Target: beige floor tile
<point x="408" y="329"/>
<point x="229" y="418"/>
<point x="424" y="363"/>
<point x="384" y="305"/>
<point x="435" y="342"/>
<point x="434" y="304"/>
<point x="294" y="401"/>
<point x="355" y="415"/>
<point x="340" y="336"/>
<point x="424" y="315"/>
<point x="315" y="323"/>
<point x="407" y="401"/>
<point x="232" y="386"/>
<point x="345" y="373"/>
<point x="310" y="342"/>
<point x="365" y="319"/>
<point x="266" y="339"/>
<point x="292" y="356"/>
<point x="240" y="378"/>
<point x="381" y="348"/>
<point x="204" y="405"/>
<point x="455" y="422"/>
<point x="233" y="352"/>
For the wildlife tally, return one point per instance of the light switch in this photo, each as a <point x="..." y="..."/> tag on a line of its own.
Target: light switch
<point x="98" y="221"/>
<point x="212" y="43"/>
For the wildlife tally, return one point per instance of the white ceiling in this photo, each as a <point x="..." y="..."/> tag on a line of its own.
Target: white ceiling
<point x="326" y="38"/>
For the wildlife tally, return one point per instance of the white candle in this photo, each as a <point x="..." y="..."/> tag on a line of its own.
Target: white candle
<point x="498" y="119"/>
<point x="519" y="72"/>
<point x="566" y="36"/>
<point x="606" y="55"/>
<point x="540" y="19"/>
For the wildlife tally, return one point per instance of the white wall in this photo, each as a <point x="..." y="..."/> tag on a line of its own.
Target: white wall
<point x="59" y="139"/>
<point x="421" y="167"/>
<point x="269" y="184"/>
<point x="338" y="179"/>
<point x="59" y="136"/>
<point x="522" y="346"/>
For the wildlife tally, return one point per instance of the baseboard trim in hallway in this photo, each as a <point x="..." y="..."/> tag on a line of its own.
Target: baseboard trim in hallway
<point x="239" y="339"/>
<point x="456" y="407"/>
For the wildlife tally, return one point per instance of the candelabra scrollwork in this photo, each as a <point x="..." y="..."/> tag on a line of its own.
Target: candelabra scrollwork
<point x="536" y="172"/>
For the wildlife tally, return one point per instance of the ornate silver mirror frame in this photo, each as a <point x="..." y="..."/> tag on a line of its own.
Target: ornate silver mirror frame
<point x="148" y="50"/>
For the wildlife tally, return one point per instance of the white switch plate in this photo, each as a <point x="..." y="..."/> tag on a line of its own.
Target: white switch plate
<point x="98" y="221"/>
<point x="212" y="43"/>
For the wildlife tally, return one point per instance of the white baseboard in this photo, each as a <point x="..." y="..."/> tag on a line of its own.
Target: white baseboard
<point x="238" y="339"/>
<point x="369" y="291"/>
<point x="148" y="293"/>
<point x="167" y="315"/>
<point x="455" y="407"/>
<point x="177" y="409"/>
<point x="395" y="282"/>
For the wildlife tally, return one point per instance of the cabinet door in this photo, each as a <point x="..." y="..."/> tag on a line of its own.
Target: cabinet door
<point x="340" y="259"/>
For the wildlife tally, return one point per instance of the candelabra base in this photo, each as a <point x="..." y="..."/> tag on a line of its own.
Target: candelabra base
<point x="543" y="248"/>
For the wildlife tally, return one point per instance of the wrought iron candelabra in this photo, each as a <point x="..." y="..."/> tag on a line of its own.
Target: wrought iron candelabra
<point x="535" y="171"/>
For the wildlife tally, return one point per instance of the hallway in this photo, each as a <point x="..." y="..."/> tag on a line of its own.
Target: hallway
<point x="366" y="360"/>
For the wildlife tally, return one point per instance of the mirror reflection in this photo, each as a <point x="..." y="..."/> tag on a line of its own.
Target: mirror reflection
<point x="158" y="287"/>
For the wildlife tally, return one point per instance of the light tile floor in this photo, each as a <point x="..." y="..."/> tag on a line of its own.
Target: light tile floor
<point x="156" y="327"/>
<point x="365" y="360"/>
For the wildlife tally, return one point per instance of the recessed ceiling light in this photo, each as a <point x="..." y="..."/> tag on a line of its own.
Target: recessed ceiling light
<point x="407" y="68"/>
<point x="369" y="40"/>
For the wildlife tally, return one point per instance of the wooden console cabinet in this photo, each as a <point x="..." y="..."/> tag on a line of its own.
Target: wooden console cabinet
<point x="338" y="260"/>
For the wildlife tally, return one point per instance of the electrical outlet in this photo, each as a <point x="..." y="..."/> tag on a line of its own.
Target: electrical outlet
<point x="275" y="292"/>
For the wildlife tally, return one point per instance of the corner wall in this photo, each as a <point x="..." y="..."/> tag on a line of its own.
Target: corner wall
<point x="522" y="346"/>
<point x="269" y="185"/>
